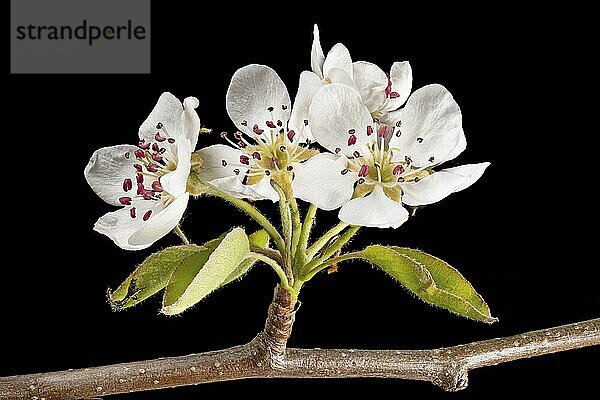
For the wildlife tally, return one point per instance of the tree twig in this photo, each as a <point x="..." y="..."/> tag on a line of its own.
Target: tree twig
<point x="267" y="357"/>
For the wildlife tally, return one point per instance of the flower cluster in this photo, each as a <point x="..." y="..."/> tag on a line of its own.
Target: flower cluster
<point x="383" y="148"/>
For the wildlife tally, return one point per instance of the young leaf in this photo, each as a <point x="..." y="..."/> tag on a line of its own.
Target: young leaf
<point x="257" y="239"/>
<point x="431" y="279"/>
<point x="150" y="277"/>
<point x="207" y="272"/>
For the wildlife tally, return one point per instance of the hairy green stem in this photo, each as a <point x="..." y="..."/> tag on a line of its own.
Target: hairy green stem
<point x="296" y="224"/>
<point x="177" y="230"/>
<point x="309" y="220"/>
<point x="274" y="254"/>
<point x="344" y="257"/>
<point x="323" y="240"/>
<point x="276" y="267"/>
<point x="330" y="250"/>
<point x="242" y="205"/>
<point x="286" y="222"/>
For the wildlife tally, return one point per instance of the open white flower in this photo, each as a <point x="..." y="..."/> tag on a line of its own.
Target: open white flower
<point x="376" y="167"/>
<point x="267" y="142"/>
<point x="382" y="93"/>
<point x="149" y="180"/>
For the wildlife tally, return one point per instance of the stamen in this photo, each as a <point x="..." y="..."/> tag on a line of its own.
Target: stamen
<point x="398" y="169"/>
<point x="171" y="140"/>
<point x="152" y="167"/>
<point x="431" y="158"/>
<point x="147" y="215"/>
<point x="139" y="178"/>
<point x="369" y="130"/>
<point x="142" y="145"/>
<point x="344" y="171"/>
<point x="127" y="185"/>
<point x="157" y="157"/>
<point x="290" y="135"/>
<point x="256" y="130"/>
<point x="282" y="149"/>
<point x="245" y="159"/>
<point x="159" y="138"/>
<point x="384" y="131"/>
<point x="401" y="179"/>
<point x="270" y="124"/>
<point x="236" y="171"/>
<point x="356" y="154"/>
<point x="138" y="167"/>
<point x="237" y="134"/>
<point x="156" y="186"/>
<point x="279" y="123"/>
<point x="139" y="153"/>
<point x="351" y="131"/>
<point x="394" y="95"/>
<point x="289" y="168"/>
<point x="351" y="140"/>
<point x="244" y="123"/>
<point x="337" y="150"/>
<point x="273" y="162"/>
<point x="364" y="170"/>
<point x="256" y="155"/>
<point x="126" y="201"/>
<point x="155" y="147"/>
<point x="132" y="212"/>
<point x="159" y="125"/>
<point x="270" y="109"/>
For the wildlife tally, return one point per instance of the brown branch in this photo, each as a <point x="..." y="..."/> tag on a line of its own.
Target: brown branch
<point x="266" y="357"/>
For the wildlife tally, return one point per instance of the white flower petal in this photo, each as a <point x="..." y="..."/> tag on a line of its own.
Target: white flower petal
<point x="338" y="57"/>
<point x="337" y="110"/>
<point x="401" y="77"/>
<point x="431" y="126"/>
<point x="175" y="182"/>
<point x="219" y="161"/>
<point x="263" y="190"/>
<point x="107" y="171"/>
<point x="338" y="75"/>
<point x="256" y="95"/>
<point x="460" y="147"/>
<point x="317" y="57"/>
<point x="120" y="225"/>
<point x="161" y="223"/>
<point x="371" y="82"/>
<point x="176" y="119"/>
<point x="375" y="210"/>
<point x="233" y="186"/>
<point x="441" y="184"/>
<point x="190" y="121"/>
<point x="308" y="86"/>
<point x="320" y="181"/>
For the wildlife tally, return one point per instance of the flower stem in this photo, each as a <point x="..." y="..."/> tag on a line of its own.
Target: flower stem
<point x="276" y="267"/>
<point x="286" y="222"/>
<point x="323" y="240"/>
<point x="329" y="251"/>
<point x="309" y="220"/>
<point x="332" y="261"/>
<point x="244" y="206"/>
<point x="177" y="230"/>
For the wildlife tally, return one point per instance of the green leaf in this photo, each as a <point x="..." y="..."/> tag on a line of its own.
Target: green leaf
<point x="150" y="276"/>
<point x="430" y="279"/>
<point x="257" y="239"/>
<point x="193" y="281"/>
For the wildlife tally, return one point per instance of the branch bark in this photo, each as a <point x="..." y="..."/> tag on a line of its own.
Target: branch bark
<point x="266" y="356"/>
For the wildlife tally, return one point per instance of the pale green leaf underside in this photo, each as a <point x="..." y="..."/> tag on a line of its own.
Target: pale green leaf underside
<point x="233" y="249"/>
<point x="151" y="276"/>
<point x="430" y="279"/>
<point x="258" y="239"/>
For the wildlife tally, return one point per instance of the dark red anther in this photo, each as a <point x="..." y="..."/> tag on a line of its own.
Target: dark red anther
<point x="237" y="135"/>
<point x="156" y="157"/>
<point x="364" y="170"/>
<point x="394" y="95"/>
<point x="152" y="167"/>
<point x="147" y="215"/>
<point x="140" y="188"/>
<point x="279" y="123"/>
<point x="138" y="167"/>
<point x="256" y="155"/>
<point x="159" y="125"/>
<point x="344" y="171"/>
<point x="351" y="140"/>
<point x="139" y="178"/>
<point x="157" y="187"/>
<point x="356" y="154"/>
<point x="142" y="145"/>
<point x="369" y="130"/>
<point x="155" y="147"/>
<point x="388" y="89"/>
<point x="159" y="138"/>
<point x="125" y="200"/>
<point x="132" y="212"/>
<point x="398" y="169"/>
<point x="127" y="184"/>
<point x="270" y="124"/>
<point x="139" y="153"/>
<point x="431" y="159"/>
<point x="352" y="131"/>
<point x="270" y="109"/>
<point x="244" y="122"/>
<point x="337" y="150"/>
<point x="171" y="140"/>
<point x="282" y="149"/>
<point x="290" y="135"/>
<point x="244" y="159"/>
<point x="273" y="162"/>
<point x="257" y="130"/>
<point x="384" y="131"/>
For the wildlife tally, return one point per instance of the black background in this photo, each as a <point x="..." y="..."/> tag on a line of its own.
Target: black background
<point x="524" y="235"/>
